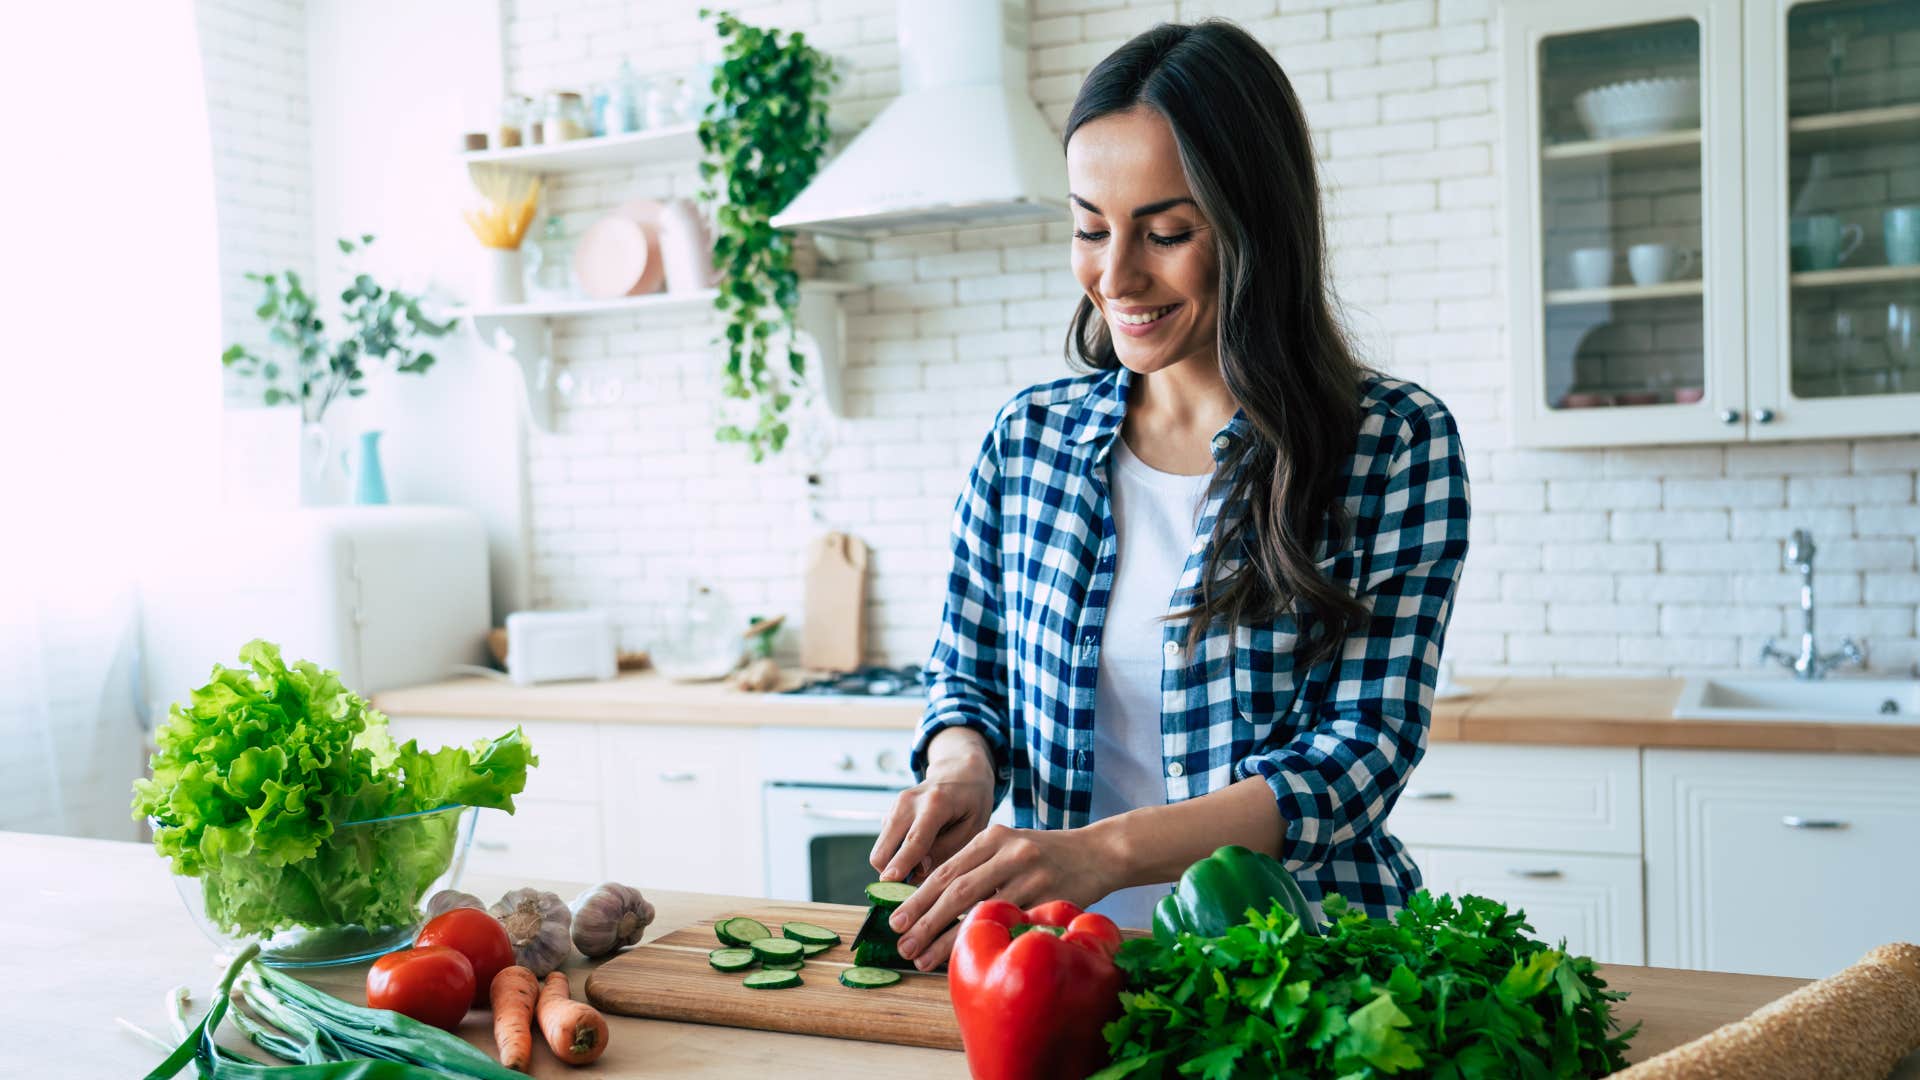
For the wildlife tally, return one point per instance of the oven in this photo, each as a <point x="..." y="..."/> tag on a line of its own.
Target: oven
<point x="825" y="793"/>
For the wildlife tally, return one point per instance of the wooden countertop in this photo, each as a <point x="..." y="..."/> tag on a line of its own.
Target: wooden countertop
<point x="101" y="926"/>
<point x="1558" y="712"/>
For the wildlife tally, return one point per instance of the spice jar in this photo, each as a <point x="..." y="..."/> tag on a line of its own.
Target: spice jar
<point x="516" y="112"/>
<point x="565" y="118"/>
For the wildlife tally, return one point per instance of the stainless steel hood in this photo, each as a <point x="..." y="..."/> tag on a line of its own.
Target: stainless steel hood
<point x="962" y="146"/>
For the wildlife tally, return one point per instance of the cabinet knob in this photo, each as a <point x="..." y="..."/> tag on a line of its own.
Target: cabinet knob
<point x="1792" y="822"/>
<point x="1729" y="416"/>
<point x="490" y="845"/>
<point x="887" y="761"/>
<point x="845" y="764"/>
<point x="677" y="777"/>
<point x="1763" y="416"/>
<point x="1535" y="875"/>
<point x="1428" y="796"/>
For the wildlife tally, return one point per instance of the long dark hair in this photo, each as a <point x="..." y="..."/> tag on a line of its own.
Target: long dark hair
<point x="1248" y="157"/>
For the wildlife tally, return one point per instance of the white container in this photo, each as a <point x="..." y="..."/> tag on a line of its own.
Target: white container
<point x="685" y="247"/>
<point x="558" y="646"/>
<point x="503" y="282"/>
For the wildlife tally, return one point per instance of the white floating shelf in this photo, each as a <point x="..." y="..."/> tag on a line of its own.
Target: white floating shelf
<point x="1853" y="275"/>
<point x="527" y="330"/>
<point x="1666" y="290"/>
<point x="669" y="144"/>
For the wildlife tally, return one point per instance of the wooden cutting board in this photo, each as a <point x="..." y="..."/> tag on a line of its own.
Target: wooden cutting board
<point x="669" y="979"/>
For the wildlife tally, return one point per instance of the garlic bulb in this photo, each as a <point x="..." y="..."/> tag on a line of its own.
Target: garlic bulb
<point x="537" y="923"/>
<point x="447" y="899"/>
<point x="608" y="918"/>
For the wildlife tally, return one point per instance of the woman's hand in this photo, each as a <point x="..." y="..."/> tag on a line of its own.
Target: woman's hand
<point x="1023" y="866"/>
<point x="935" y="818"/>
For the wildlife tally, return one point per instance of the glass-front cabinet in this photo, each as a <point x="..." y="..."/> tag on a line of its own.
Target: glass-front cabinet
<point x="1675" y="278"/>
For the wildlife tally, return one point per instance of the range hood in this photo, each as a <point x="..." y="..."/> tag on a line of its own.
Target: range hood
<point x="963" y="145"/>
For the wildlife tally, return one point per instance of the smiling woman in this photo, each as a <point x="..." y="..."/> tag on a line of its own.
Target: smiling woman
<point x="1198" y="595"/>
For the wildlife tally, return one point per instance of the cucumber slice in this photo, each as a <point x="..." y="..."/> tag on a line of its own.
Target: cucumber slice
<point x="740" y="931"/>
<point x="807" y="933"/>
<point x="731" y="959"/>
<point x="785" y="965"/>
<point x="813" y="950"/>
<point x="890" y="894"/>
<point x="868" y="978"/>
<point x="771" y="980"/>
<point x="776" y="950"/>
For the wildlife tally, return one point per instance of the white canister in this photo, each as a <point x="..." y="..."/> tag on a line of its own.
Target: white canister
<point x="686" y="248"/>
<point x="503" y="281"/>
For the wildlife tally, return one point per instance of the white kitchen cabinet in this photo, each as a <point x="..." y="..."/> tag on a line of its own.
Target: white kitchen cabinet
<point x="1591" y="901"/>
<point x="1539" y="798"/>
<point x="683" y="808"/>
<point x="1741" y="320"/>
<point x="1777" y="863"/>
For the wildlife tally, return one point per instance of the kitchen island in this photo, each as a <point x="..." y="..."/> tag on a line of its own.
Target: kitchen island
<point x="102" y="931"/>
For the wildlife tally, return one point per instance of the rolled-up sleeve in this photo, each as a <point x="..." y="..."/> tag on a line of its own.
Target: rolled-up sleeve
<point x="968" y="668"/>
<point x="1336" y="779"/>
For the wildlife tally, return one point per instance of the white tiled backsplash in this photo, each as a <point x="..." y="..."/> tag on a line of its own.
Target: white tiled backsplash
<point x="1643" y="560"/>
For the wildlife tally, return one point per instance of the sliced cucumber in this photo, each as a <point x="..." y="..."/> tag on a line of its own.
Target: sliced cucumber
<point x="784" y="965"/>
<point x="776" y="950"/>
<point x="813" y="950"/>
<point x="807" y="933"/>
<point x="877" y="945"/>
<point x="740" y="931"/>
<point x="868" y="978"/>
<point x="731" y="959"/>
<point x="890" y="894"/>
<point x="771" y="980"/>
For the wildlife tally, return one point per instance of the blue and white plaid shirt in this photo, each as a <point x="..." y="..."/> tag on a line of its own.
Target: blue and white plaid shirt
<point x="1019" y="644"/>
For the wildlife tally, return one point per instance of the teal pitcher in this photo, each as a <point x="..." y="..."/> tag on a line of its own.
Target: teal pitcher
<point x="369" y="483"/>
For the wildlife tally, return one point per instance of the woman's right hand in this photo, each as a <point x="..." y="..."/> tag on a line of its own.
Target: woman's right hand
<point x="935" y="818"/>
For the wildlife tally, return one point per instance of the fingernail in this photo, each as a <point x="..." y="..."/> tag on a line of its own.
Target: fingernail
<point x="897" y="922"/>
<point x="908" y="947"/>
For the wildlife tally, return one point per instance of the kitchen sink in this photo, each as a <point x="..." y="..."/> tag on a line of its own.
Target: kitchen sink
<point x="1837" y="700"/>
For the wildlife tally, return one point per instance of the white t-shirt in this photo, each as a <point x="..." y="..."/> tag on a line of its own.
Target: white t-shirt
<point x="1154" y="517"/>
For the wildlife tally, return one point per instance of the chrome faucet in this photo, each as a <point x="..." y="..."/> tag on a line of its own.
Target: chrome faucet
<point x="1809" y="662"/>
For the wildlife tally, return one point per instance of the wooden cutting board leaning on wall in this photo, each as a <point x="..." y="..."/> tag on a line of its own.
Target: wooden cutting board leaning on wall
<point x="833" y="633"/>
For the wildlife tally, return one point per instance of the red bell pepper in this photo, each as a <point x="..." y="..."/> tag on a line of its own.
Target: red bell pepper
<point x="1031" y="1006"/>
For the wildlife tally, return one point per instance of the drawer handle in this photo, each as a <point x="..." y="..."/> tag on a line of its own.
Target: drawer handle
<point x="490" y="845"/>
<point x="1793" y="822"/>
<point x="826" y="814"/>
<point x="1429" y="796"/>
<point x="679" y="777"/>
<point x="1535" y="875"/>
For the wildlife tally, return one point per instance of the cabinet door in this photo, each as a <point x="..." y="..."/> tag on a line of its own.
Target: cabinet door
<point x="1779" y="864"/>
<point x="1592" y="901"/>
<point x="1554" y="798"/>
<point x="1833" y="123"/>
<point x="1625" y="209"/>
<point x="683" y="808"/>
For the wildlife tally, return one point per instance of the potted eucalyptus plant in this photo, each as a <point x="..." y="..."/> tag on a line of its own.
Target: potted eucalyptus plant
<point x="312" y="369"/>
<point x="761" y="140"/>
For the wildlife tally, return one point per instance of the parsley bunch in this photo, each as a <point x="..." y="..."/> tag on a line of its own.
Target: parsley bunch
<point x="1450" y="990"/>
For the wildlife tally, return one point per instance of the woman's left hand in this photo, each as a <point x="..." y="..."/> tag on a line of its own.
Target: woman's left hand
<point x="1022" y="866"/>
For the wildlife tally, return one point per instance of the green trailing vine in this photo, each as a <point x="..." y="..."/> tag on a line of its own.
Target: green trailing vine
<point x="761" y="140"/>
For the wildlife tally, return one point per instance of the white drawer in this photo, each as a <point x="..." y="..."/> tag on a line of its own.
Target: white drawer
<point x="1529" y="798"/>
<point x="540" y="839"/>
<point x="1592" y="901"/>
<point x="569" y="753"/>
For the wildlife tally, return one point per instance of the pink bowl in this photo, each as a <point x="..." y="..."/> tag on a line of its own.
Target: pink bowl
<point x="1687" y="395"/>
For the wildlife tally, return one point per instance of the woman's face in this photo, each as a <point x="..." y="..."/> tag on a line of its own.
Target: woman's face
<point x="1141" y="248"/>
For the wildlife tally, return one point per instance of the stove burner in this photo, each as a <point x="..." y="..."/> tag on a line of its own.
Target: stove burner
<point x="908" y="681"/>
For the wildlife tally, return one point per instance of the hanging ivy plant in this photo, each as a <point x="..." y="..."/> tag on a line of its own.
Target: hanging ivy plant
<point x="761" y="139"/>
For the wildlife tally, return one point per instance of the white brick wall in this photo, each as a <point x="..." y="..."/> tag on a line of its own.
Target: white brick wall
<point x="254" y="58"/>
<point x="1631" y="560"/>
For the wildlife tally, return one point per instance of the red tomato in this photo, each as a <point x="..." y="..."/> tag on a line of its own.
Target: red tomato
<point x="477" y="936"/>
<point x="433" y="985"/>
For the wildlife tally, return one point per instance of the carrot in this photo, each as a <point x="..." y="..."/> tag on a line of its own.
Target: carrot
<point x="575" y="1030"/>
<point x="513" y="993"/>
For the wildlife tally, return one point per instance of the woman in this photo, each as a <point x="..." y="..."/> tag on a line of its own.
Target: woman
<point x="1227" y="436"/>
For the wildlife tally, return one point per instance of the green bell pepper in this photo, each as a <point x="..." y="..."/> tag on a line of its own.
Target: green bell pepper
<point x="1215" y="893"/>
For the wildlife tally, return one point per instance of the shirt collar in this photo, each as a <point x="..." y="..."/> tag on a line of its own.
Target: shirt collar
<point x="1104" y="407"/>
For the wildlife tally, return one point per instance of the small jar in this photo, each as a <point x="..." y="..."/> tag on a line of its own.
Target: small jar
<point x="516" y="112"/>
<point x="660" y="95"/>
<point x="565" y="118"/>
<point x="596" y="109"/>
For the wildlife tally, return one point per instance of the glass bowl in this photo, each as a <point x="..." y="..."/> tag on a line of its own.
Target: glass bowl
<point x="316" y="912"/>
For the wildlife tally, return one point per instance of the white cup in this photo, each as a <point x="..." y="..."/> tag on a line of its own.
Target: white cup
<point x="1592" y="268"/>
<point x="1651" y="264"/>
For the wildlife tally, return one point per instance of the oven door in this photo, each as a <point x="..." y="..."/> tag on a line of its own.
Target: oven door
<point x="819" y="838"/>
